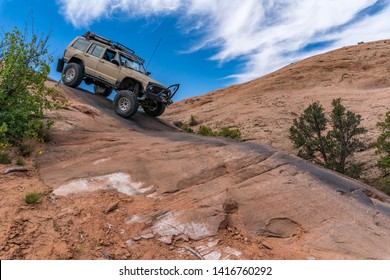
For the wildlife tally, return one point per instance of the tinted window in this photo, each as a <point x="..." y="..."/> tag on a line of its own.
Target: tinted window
<point x="80" y="44"/>
<point x="109" y="55"/>
<point x="96" y="50"/>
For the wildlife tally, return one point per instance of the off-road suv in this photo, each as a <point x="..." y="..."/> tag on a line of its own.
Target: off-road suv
<point x="112" y="66"/>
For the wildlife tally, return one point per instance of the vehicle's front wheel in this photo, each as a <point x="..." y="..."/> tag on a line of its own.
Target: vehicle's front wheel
<point x="73" y="75"/>
<point x="125" y="103"/>
<point x="102" y="90"/>
<point x="156" y="110"/>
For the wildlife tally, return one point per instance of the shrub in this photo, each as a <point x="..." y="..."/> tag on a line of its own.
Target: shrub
<point x="20" y="162"/>
<point x="5" y="157"/>
<point x="329" y="147"/>
<point x="383" y="144"/>
<point x="3" y="131"/>
<point x="27" y="147"/>
<point x="188" y="129"/>
<point x="384" y="185"/>
<point x="178" y="124"/>
<point x="354" y="171"/>
<point x="44" y="134"/>
<point x="193" y="121"/>
<point x="23" y="93"/>
<point x="33" y="197"/>
<point x="206" y="131"/>
<point x="234" y="134"/>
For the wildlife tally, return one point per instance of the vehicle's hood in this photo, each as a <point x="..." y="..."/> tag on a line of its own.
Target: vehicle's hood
<point x="144" y="79"/>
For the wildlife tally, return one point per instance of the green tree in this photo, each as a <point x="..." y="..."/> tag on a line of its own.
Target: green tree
<point x="344" y="134"/>
<point x="383" y="145"/>
<point x="24" y="68"/>
<point x="308" y="134"/>
<point x="330" y="147"/>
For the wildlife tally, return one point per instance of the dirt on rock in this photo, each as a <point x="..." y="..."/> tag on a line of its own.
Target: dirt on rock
<point x="142" y="189"/>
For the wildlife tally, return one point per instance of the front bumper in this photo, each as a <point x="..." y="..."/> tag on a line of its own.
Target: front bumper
<point x="160" y="94"/>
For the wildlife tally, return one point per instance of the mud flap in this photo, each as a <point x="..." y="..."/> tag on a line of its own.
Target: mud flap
<point x="60" y="65"/>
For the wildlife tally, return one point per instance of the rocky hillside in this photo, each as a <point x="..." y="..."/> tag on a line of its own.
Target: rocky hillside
<point x="263" y="109"/>
<point x="142" y="189"/>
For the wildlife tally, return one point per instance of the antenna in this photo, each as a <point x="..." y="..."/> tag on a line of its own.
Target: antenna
<point x="155" y="49"/>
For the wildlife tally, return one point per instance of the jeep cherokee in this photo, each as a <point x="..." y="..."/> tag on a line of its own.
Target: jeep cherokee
<point x="110" y="66"/>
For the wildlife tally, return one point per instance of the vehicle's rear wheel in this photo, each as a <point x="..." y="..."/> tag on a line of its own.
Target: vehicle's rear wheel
<point x="102" y="90"/>
<point x="125" y="103"/>
<point x="72" y="75"/>
<point x="156" y="110"/>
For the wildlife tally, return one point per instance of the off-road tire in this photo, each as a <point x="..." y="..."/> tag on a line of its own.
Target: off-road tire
<point x="102" y="90"/>
<point x="125" y="103"/>
<point x="72" y="76"/>
<point x="158" y="110"/>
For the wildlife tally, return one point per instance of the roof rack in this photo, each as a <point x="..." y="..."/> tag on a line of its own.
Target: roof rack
<point x="113" y="44"/>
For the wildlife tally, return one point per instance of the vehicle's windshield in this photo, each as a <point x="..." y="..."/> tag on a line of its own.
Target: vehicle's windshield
<point x="132" y="64"/>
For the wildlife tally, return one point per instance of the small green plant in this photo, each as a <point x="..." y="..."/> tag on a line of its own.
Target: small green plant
<point x="206" y="131"/>
<point x="5" y="157"/>
<point x="44" y="133"/>
<point x="384" y="185"/>
<point x="188" y="129"/>
<point x="226" y="132"/>
<point x="193" y="121"/>
<point x="33" y="197"/>
<point x="178" y="124"/>
<point x="203" y="130"/>
<point x="20" y="162"/>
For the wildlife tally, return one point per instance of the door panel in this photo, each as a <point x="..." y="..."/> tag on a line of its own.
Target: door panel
<point x="92" y="58"/>
<point x="107" y="71"/>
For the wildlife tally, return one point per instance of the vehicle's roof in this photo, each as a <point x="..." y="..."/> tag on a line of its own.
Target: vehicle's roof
<point x="127" y="54"/>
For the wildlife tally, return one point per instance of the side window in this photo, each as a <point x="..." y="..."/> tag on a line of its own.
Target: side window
<point x="109" y="55"/>
<point x="96" y="50"/>
<point x="123" y="60"/>
<point x="80" y="44"/>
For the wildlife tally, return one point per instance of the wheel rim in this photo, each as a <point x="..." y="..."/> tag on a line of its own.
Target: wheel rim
<point x="70" y="74"/>
<point x="123" y="104"/>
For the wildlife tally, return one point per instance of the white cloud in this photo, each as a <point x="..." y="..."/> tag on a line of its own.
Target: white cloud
<point x="260" y="33"/>
<point x="81" y="13"/>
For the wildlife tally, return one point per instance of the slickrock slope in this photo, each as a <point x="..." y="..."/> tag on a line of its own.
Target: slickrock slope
<point x="263" y="109"/>
<point x="141" y="189"/>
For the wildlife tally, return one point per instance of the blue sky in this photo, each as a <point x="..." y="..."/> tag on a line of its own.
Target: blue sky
<point x="207" y="44"/>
